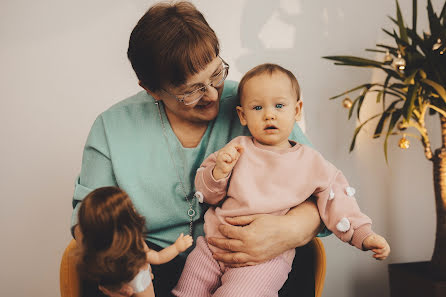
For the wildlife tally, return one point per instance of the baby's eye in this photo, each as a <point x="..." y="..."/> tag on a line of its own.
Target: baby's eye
<point x="279" y="105"/>
<point x="257" y="107"/>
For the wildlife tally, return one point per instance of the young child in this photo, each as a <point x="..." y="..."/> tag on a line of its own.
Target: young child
<point x="268" y="173"/>
<point x="113" y="251"/>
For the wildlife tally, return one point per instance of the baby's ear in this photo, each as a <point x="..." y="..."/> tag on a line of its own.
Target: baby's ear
<point x="298" y="110"/>
<point x="241" y="115"/>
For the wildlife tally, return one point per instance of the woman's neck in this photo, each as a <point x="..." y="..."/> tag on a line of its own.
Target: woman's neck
<point x="188" y="133"/>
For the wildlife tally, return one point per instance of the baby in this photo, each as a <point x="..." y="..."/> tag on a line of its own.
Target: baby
<point x="268" y="173"/>
<point x="112" y="247"/>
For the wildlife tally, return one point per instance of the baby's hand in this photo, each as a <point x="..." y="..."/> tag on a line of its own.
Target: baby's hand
<point x="227" y="157"/>
<point x="378" y="245"/>
<point x="183" y="242"/>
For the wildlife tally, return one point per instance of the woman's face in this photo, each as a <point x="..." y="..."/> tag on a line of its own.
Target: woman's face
<point x="202" y="111"/>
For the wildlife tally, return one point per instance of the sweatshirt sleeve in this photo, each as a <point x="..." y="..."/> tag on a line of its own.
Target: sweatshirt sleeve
<point x="213" y="191"/>
<point x="340" y="212"/>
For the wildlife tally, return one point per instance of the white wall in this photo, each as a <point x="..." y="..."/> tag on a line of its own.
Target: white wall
<point x="63" y="62"/>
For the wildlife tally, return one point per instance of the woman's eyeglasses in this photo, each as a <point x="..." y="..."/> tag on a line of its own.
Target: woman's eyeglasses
<point x="194" y="96"/>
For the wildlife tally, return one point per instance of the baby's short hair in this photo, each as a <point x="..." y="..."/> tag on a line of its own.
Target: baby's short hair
<point x="268" y="68"/>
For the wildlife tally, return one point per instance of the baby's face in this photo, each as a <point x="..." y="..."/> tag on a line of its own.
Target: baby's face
<point x="269" y="108"/>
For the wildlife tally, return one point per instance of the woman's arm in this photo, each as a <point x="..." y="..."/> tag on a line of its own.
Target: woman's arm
<point x="258" y="238"/>
<point x="96" y="170"/>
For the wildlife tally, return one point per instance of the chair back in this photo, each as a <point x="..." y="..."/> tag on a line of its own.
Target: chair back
<point x="69" y="276"/>
<point x="320" y="266"/>
<point x="70" y="281"/>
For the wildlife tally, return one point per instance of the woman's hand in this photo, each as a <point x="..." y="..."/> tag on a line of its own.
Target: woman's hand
<point x="258" y="238"/>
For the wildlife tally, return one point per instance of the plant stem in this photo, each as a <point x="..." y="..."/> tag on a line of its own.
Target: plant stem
<point x="439" y="170"/>
<point x="419" y="125"/>
<point x="443" y="131"/>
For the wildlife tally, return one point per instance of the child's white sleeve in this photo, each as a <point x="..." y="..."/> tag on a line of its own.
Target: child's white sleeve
<point x="142" y="280"/>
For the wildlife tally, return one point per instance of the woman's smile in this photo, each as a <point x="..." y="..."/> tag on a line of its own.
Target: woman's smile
<point x="205" y="105"/>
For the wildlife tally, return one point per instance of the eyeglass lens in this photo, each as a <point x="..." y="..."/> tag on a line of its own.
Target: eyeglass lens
<point x="215" y="82"/>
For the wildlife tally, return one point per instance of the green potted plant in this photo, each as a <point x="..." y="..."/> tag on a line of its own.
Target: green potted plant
<point x="413" y="87"/>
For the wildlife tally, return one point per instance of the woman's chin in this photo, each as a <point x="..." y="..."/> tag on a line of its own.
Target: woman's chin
<point x="207" y="112"/>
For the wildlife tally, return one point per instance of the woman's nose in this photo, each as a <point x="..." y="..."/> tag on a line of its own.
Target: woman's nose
<point x="211" y="94"/>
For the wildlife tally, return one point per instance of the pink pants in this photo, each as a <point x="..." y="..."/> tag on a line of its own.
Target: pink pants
<point x="203" y="277"/>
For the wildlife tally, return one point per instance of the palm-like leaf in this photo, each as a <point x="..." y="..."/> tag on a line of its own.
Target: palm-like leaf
<point x="418" y="90"/>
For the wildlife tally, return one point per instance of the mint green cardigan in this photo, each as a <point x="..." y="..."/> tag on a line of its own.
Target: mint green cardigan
<point x="126" y="148"/>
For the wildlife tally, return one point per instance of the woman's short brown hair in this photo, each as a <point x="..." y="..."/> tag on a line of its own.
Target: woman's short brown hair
<point x="268" y="68"/>
<point x="171" y="42"/>
<point x="113" y="250"/>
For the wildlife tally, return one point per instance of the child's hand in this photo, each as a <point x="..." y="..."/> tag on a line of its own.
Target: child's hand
<point x="183" y="242"/>
<point x="227" y="157"/>
<point x="378" y="245"/>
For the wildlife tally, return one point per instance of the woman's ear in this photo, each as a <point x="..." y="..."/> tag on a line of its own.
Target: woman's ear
<point x="298" y="110"/>
<point x="241" y="115"/>
<point x="153" y="94"/>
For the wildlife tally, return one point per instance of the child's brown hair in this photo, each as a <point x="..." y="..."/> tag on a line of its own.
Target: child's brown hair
<point x="113" y="249"/>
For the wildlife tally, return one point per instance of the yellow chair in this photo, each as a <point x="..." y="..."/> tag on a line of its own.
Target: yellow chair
<point x="70" y="282"/>
<point x="320" y="265"/>
<point x="69" y="276"/>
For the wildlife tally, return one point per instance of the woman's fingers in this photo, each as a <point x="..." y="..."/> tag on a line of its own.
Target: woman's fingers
<point x="241" y="220"/>
<point x="234" y="259"/>
<point x="232" y="232"/>
<point x="231" y="245"/>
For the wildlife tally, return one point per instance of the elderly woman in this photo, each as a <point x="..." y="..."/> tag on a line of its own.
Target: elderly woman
<point x="152" y="143"/>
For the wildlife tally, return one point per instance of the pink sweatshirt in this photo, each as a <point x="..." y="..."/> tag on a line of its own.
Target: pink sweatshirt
<point x="271" y="181"/>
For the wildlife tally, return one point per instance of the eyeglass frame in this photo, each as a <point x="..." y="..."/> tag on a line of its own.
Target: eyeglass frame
<point x="180" y="98"/>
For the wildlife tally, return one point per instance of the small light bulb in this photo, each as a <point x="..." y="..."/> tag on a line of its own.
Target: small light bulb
<point x="347" y="103"/>
<point x="399" y="63"/>
<point x="437" y="45"/>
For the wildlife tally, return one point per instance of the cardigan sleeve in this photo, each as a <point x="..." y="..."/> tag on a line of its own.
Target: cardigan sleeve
<point x="96" y="170"/>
